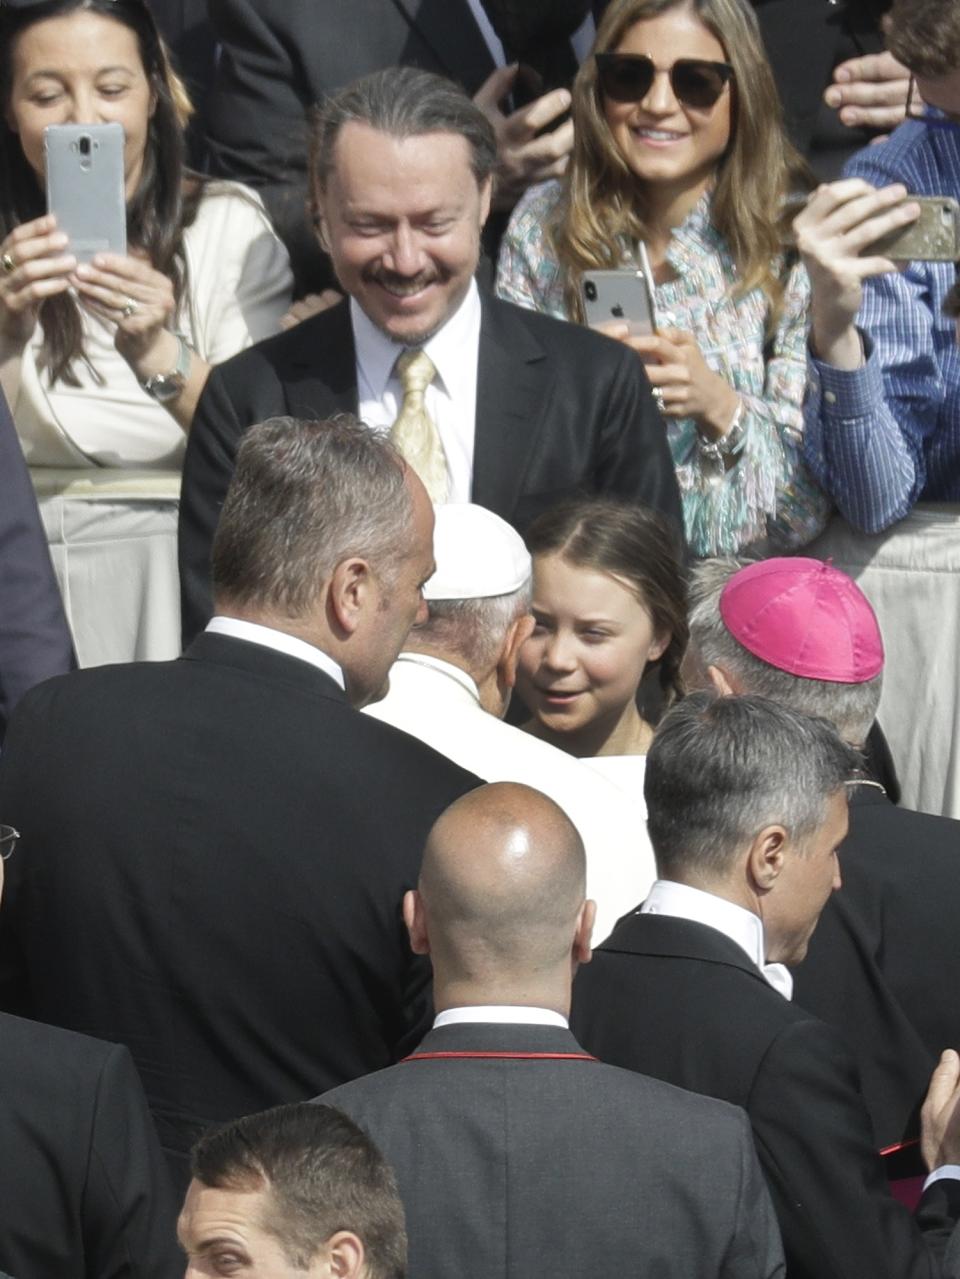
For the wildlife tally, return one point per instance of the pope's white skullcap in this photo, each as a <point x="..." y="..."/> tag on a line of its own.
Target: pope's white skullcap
<point x="478" y="555"/>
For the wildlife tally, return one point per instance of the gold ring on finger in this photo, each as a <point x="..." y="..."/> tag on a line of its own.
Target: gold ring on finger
<point x="8" y="263"/>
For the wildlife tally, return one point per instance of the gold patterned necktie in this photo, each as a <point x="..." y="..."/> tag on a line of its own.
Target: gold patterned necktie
<point x="414" y="432"/>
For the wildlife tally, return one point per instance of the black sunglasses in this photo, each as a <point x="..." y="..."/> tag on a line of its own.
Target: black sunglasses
<point x="627" y="77"/>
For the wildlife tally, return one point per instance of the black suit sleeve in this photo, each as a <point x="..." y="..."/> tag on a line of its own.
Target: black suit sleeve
<point x="837" y="1216"/>
<point x="35" y="641"/>
<point x="634" y="461"/>
<point x="207" y="469"/>
<point x="128" y="1209"/>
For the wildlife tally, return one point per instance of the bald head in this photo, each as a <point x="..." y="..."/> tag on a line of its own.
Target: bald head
<point x="502" y="885"/>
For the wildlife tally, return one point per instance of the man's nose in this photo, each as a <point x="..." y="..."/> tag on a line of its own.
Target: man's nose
<point x="404" y="256"/>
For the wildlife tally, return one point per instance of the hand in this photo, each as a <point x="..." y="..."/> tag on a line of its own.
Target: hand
<point x="841" y="219"/>
<point x="522" y="157"/>
<point x="870" y="92"/>
<point x="127" y="291"/>
<point x="688" y="386"/>
<point x="312" y="304"/>
<point x="940" y="1114"/>
<point x="41" y="268"/>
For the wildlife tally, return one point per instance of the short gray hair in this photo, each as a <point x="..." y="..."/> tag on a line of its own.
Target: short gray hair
<point x="852" y="708"/>
<point x="474" y="630"/>
<point x="304" y="496"/>
<point x="722" y="768"/>
<point x="403" y="102"/>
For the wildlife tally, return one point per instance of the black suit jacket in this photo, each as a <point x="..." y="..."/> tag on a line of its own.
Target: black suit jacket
<point x="213" y="856"/>
<point x="562" y="1168"/>
<point x="279" y="57"/>
<point x="560" y="410"/>
<point x="680" y="1001"/>
<point x="35" y="640"/>
<point x="83" y="1189"/>
<point x="892" y="926"/>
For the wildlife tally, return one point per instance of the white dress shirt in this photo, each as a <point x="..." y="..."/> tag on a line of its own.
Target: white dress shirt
<point x="502" y="1014"/>
<point x="740" y="925"/>
<point x="254" y="633"/>
<point x="451" y="398"/>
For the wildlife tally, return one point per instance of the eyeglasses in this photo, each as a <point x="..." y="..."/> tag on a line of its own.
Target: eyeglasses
<point x="627" y="77"/>
<point x="8" y="841"/>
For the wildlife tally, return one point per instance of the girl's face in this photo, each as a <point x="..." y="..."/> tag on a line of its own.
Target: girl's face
<point x="80" y="68"/>
<point x="662" y="139"/>
<point x="591" y="641"/>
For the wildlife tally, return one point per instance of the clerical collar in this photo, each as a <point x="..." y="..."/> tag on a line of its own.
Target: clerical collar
<point x="742" y="926"/>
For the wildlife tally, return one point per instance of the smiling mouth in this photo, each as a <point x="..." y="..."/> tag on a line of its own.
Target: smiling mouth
<point x="559" y="694"/>
<point x="399" y="286"/>
<point x="658" y="137"/>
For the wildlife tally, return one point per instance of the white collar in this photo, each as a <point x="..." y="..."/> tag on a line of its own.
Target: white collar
<point x="742" y="926"/>
<point x="502" y="1014"/>
<point x="269" y="637"/>
<point x="441" y="667"/>
<point x="377" y="354"/>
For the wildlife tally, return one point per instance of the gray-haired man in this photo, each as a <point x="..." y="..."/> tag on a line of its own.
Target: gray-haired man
<point x="746" y="808"/>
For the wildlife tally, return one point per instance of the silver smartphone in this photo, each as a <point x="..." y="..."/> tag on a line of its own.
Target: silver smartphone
<point x="85" y="186"/>
<point x="625" y="296"/>
<point x="933" y="237"/>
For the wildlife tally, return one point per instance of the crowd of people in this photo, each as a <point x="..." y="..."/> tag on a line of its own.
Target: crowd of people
<point x="478" y="789"/>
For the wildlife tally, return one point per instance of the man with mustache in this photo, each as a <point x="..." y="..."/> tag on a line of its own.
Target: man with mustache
<point x="489" y="403"/>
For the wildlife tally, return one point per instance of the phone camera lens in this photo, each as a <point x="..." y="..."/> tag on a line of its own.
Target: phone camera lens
<point x="85" y="144"/>
<point x="590" y="290"/>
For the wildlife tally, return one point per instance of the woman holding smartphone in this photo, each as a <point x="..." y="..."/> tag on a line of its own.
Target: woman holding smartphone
<point x="679" y="147"/>
<point x="103" y="362"/>
<point x="609" y="606"/>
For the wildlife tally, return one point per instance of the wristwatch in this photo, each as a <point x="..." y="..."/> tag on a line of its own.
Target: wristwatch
<point x="164" y="387"/>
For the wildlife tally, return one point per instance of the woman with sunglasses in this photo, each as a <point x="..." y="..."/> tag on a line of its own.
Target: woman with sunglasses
<point x="679" y="147"/>
<point x="103" y="363"/>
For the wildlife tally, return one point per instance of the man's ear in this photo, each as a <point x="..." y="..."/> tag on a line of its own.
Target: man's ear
<point x="721" y="681"/>
<point x="416" y="922"/>
<point x="486" y="196"/>
<point x="582" y="953"/>
<point x="766" y="857"/>
<point x="349" y="595"/>
<point x="343" y="1256"/>
<point x="519" y="632"/>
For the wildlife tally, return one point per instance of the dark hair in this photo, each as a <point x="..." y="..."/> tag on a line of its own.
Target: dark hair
<point x="722" y="768"/>
<point x="404" y="103"/>
<point x="323" y="1173"/>
<point x="157" y="212"/>
<point x="925" y="36"/>
<point x="639" y="547"/>
<point x="304" y="495"/>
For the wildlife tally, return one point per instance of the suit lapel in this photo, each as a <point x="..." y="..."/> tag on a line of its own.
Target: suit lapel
<point x="512" y="379"/>
<point x="319" y="373"/>
<point x="448" y="29"/>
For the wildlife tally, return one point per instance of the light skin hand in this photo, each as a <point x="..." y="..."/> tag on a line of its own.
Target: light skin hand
<point x="42" y="268"/>
<point x="523" y="158"/>
<point x="870" y="92"/>
<point x="840" y="221"/>
<point x="689" y="387"/>
<point x="940" y="1114"/>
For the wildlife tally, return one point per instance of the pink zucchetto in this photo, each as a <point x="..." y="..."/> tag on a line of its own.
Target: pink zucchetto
<point x="804" y="617"/>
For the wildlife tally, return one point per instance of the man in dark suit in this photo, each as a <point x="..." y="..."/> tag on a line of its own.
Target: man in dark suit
<point x="521" y="409"/>
<point x="746" y="809"/>
<point x="215" y="849"/>
<point x="869" y="965"/>
<point x="35" y="640"/>
<point x="84" y="1193"/>
<point x="280" y="57"/>
<point x="515" y="1152"/>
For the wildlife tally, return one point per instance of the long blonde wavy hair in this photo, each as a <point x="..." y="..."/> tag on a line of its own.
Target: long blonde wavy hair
<point x="602" y="208"/>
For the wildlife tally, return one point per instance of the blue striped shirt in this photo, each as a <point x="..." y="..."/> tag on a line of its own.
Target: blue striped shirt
<point x="882" y="437"/>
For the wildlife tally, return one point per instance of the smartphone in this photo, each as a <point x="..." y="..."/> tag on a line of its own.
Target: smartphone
<point x="85" y="186"/>
<point x="626" y="296"/>
<point x="934" y="237"/>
